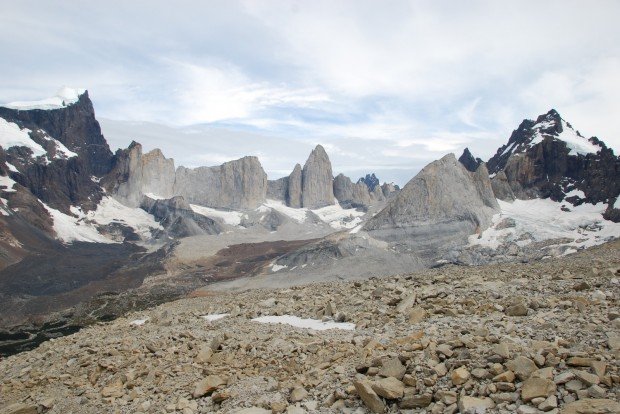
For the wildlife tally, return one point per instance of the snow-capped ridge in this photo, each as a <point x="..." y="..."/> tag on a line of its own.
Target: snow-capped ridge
<point x="65" y="96"/>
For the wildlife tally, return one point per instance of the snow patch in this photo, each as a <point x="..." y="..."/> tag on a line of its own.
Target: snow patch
<point x="577" y="144"/>
<point x="111" y="211"/>
<point x="215" y="316"/>
<point x="6" y="181"/>
<point x="617" y="202"/>
<point x="338" y="217"/>
<point x="61" y="150"/>
<point x="276" y="267"/>
<point x="154" y="196"/>
<point x="297" y="214"/>
<point x="69" y="229"/>
<point x="356" y="229"/>
<point x="297" y="322"/>
<point x="64" y="97"/>
<point x="575" y="192"/>
<point x="544" y="219"/>
<point x="232" y="218"/>
<point x="11" y="167"/>
<point x="11" y="135"/>
<point x="138" y="322"/>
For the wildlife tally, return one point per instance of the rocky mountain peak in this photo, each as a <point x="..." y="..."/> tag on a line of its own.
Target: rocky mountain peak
<point x="317" y="180"/>
<point x="442" y="202"/>
<point x="370" y="180"/>
<point x="468" y="160"/>
<point x="547" y="127"/>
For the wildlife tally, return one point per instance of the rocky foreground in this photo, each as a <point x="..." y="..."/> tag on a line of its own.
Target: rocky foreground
<point x="525" y="338"/>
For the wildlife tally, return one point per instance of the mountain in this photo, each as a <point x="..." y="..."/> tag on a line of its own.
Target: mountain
<point x="548" y="158"/>
<point x="370" y="180"/>
<point x="444" y="202"/>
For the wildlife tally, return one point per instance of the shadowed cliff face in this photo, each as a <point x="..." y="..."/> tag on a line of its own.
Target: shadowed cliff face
<point x="75" y="126"/>
<point x="547" y="158"/>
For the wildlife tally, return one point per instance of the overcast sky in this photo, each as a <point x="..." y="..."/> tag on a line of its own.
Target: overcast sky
<point x="386" y="86"/>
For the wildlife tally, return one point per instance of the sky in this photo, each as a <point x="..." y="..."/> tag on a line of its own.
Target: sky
<point x="386" y="86"/>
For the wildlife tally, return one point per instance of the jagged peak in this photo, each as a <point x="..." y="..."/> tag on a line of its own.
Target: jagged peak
<point x="63" y="98"/>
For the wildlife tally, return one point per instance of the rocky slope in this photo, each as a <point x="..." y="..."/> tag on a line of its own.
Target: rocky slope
<point x="441" y="205"/>
<point x="548" y="158"/>
<point x="518" y="338"/>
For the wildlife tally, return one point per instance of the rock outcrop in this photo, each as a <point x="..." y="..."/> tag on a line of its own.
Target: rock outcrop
<point x="178" y="219"/>
<point x="444" y="199"/>
<point x="501" y="187"/>
<point x="355" y="195"/>
<point x="548" y="158"/>
<point x="468" y="160"/>
<point x="239" y="184"/>
<point x="277" y="189"/>
<point x="370" y="180"/>
<point x="317" y="180"/>
<point x="294" y="190"/>
<point x="74" y="126"/>
<point x="135" y="174"/>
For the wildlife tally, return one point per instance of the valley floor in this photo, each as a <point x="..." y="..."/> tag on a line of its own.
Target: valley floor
<point x="526" y="338"/>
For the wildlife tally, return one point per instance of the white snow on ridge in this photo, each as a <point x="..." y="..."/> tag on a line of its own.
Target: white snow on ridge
<point x="543" y="219"/>
<point x="305" y="323"/>
<point x="574" y="142"/>
<point x="11" y="135"/>
<point x="64" y="97"/>
<point x="61" y="150"/>
<point x="232" y="218"/>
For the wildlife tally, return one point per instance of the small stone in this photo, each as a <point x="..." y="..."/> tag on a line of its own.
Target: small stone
<point x="579" y="362"/>
<point x="410" y="380"/>
<point x="473" y="405"/>
<point x="112" y="391"/>
<point x="406" y="303"/>
<point x="207" y="385"/>
<point x="522" y="367"/>
<point x="460" y="376"/>
<point x="596" y="392"/>
<point x="220" y="396"/>
<point x="19" y="408"/>
<point x="389" y="388"/>
<point x="446" y="397"/>
<point x="417" y="315"/>
<point x="587" y="378"/>
<point x="369" y="397"/>
<point x="592" y="406"/>
<point x="516" y="310"/>
<point x="599" y="368"/>
<point x="501" y="349"/>
<point x="415" y="401"/>
<point x="549" y="404"/>
<point x="537" y="387"/>
<point x="392" y="368"/>
<point x="298" y="394"/>
<point x="507" y="376"/>
<point x="252" y="410"/>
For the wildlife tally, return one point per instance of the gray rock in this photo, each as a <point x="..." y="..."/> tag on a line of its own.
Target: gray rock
<point x="501" y="187"/>
<point x="442" y="205"/>
<point x="369" y="397"/>
<point x="293" y="194"/>
<point x="239" y="184"/>
<point x="277" y="189"/>
<point x="135" y="174"/>
<point x="317" y="180"/>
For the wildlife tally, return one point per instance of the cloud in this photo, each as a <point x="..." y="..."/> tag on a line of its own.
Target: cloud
<point x="395" y="81"/>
